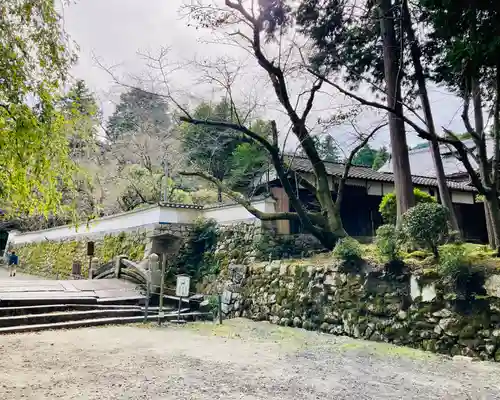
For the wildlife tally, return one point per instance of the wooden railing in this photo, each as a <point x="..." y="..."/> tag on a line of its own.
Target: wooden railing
<point x="142" y="273"/>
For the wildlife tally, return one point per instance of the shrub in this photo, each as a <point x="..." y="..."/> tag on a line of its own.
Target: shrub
<point x="452" y="261"/>
<point x="426" y="225"/>
<point x="347" y="249"/>
<point x="388" y="208"/>
<point x="455" y="265"/>
<point x="387" y="242"/>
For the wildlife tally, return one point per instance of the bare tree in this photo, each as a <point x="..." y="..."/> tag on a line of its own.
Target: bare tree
<point x="248" y="27"/>
<point x="281" y="62"/>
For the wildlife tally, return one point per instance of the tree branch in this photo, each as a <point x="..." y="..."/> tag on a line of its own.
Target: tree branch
<point x="230" y="125"/>
<point x="466" y="119"/>
<point x="420" y="131"/>
<point x="348" y="164"/>
<point x="305" y="218"/>
<point x="242" y="200"/>
<point x="310" y="100"/>
<point x="302" y="181"/>
<point x="463" y="157"/>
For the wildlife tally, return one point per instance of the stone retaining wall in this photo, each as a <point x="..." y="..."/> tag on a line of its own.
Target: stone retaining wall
<point x="416" y="310"/>
<point x="54" y="259"/>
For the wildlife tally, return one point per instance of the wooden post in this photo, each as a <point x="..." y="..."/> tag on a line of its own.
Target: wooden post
<point x="146" y="305"/>
<point x="118" y="264"/>
<point x="219" y="308"/>
<point x="94" y="264"/>
<point x="162" y="288"/>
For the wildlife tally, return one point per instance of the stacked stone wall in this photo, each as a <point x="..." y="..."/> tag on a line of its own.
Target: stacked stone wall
<point x="411" y="309"/>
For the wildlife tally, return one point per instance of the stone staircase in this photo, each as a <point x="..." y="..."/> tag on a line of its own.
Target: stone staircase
<point x="121" y="292"/>
<point x="32" y="318"/>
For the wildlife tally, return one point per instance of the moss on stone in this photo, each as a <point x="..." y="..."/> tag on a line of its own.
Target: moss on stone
<point x="55" y="259"/>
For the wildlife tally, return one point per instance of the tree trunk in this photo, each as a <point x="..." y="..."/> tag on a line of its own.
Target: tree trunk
<point x="489" y="225"/>
<point x="400" y="159"/>
<point x="494" y="214"/>
<point x="416" y="55"/>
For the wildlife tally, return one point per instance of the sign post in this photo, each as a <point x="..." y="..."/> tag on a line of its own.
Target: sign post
<point x="181" y="290"/>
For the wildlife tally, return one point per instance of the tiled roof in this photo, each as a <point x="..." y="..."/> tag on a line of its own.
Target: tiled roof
<point x="233" y="203"/>
<point x="364" y="173"/>
<point x="421" y="162"/>
<point x="177" y="205"/>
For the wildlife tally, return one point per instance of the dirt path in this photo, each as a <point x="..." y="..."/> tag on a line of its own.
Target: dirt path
<point x="240" y="360"/>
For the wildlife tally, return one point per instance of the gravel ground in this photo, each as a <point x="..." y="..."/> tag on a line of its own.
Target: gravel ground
<point x="238" y="360"/>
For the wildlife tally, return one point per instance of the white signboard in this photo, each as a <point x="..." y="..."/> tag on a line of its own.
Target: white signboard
<point x="182" y="288"/>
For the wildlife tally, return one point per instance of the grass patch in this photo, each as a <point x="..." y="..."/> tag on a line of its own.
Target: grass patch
<point x="387" y="350"/>
<point x="293" y="339"/>
<point x="240" y="328"/>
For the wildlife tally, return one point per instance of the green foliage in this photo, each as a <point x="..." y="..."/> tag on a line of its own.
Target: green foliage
<point x="326" y="147"/>
<point x="33" y="49"/>
<point x="455" y="266"/>
<point x="369" y="157"/>
<point x="136" y="109"/>
<point x="34" y="156"/>
<point x="248" y="160"/>
<point x="225" y="154"/>
<point x="210" y="148"/>
<point x="204" y="196"/>
<point x="426" y="225"/>
<point x="146" y="186"/>
<point x="130" y="244"/>
<point x="453" y="261"/>
<point x="380" y="159"/>
<point x="197" y="258"/>
<point x="365" y="157"/>
<point x="387" y="243"/>
<point x="213" y="302"/>
<point x="35" y="162"/>
<point x="388" y="206"/>
<point x="347" y="249"/>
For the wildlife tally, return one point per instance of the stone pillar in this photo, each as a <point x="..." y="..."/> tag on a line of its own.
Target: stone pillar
<point x="94" y="264"/>
<point x="118" y="264"/>
<point x="154" y="272"/>
<point x="282" y="205"/>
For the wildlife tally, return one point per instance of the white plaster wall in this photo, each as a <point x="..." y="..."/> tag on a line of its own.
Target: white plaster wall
<point x="374" y="189"/>
<point x="114" y="223"/>
<point x="462" y="197"/>
<point x="236" y="213"/>
<point x="146" y="218"/>
<point x="387" y="188"/>
<point x="178" y="215"/>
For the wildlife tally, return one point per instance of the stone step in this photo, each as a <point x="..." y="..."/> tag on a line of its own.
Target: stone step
<point x="65" y="316"/>
<point x="48" y="308"/>
<point x="41" y="299"/>
<point x="101" y="321"/>
<point x="33" y="299"/>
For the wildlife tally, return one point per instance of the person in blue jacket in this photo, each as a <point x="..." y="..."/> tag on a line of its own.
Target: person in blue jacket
<point x="13" y="261"/>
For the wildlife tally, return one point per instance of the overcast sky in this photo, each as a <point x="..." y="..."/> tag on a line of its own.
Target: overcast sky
<point x="116" y="31"/>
